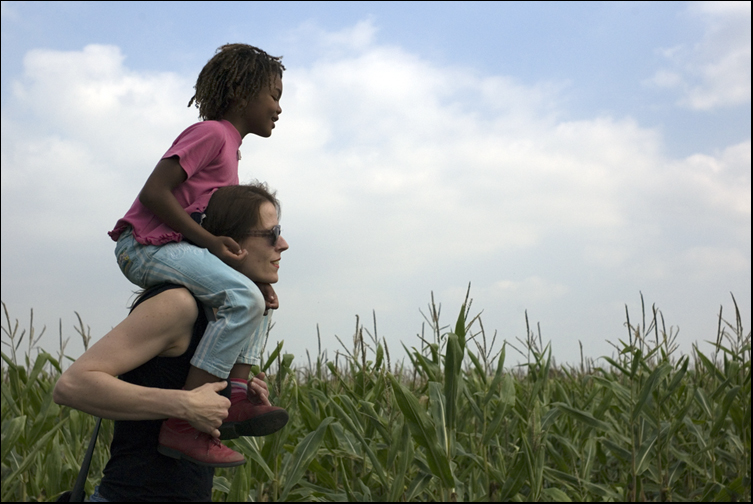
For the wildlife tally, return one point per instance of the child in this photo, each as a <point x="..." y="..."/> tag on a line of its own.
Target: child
<point x="161" y="240"/>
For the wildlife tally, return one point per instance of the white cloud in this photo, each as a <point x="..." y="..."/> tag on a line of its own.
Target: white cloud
<point x="397" y="176"/>
<point x="533" y="289"/>
<point x="91" y="95"/>
<point x="714" y="72"/>
<point x="332" y="44"/>
<point x="97" y="131"/>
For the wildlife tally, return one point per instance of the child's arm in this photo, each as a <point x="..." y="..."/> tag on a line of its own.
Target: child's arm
<point x="157" y="196"/>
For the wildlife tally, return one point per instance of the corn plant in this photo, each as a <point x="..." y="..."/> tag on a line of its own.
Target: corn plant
<point x="453" y="420"/>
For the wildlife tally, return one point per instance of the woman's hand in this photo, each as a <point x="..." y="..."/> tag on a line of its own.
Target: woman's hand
<point x="207" y="408"/>
<point x="258" y="393"/>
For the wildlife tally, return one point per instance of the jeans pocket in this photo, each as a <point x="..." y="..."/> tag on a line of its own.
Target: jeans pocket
<point x="124" y="263"/>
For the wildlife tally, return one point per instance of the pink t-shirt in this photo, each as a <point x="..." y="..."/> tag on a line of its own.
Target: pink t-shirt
<point x="208" y="152"/>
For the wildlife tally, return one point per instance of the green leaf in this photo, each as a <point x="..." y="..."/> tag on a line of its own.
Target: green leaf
<point x="12" y="430"/>
<point x="649" y="386"/>
<point x="453" y="361"/>
<point x="272" y="356"/>
<point x="507" y="393"/>
<point x="583" y="417"/>
<point x="600" y="490"/>
<point x="702" y="400"/>
<point x="729" y="398"/>
<point x="643" y="454"/>
<point x="710" y="366"/>
<point x="636" y="356"/>
<point x="240" y="487"/>
<point x="515" y="480"/>
<point x="348" y="423"/>
<point x="376" y="420"/>
<point x="423" y="430"/>
<point x="437" y="413"/>
<point x="406" y="458"/>
<point x="618" y="451"/>
<point x="556" y="495"/>
<point x="497" y="375"/>
<point x="493" y="428"/>
<point x="617" y="365"/>
<point x="32" y="454"/>
<point x="250" y="451"/>
<point x="302" y="455"/>
<point x="460" y="328"/>
<point x="677" y="378"/>
<point x="379" y="357"/>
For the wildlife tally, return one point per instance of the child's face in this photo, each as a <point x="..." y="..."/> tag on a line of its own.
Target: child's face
<point x="264" y="110"/>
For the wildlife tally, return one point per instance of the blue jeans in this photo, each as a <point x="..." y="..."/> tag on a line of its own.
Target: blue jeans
<point x="239" y="333"/>
<point x="95" y="497"/>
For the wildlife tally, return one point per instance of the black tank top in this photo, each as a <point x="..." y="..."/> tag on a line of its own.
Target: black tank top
<point x="136" y="471"/>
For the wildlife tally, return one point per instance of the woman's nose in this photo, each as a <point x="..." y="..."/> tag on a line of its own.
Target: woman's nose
<point x="282" y="244"/>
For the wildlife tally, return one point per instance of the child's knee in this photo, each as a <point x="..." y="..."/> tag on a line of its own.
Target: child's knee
<point x="251" y="300"/>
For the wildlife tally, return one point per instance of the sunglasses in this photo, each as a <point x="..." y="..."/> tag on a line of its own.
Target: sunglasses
<point x="273" y="234"/>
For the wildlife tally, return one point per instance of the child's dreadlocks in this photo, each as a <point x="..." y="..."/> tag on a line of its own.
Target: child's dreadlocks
<point x="235" y="72"/>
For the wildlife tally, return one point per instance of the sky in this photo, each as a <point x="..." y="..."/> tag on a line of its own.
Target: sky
<point x="561" y="158"/>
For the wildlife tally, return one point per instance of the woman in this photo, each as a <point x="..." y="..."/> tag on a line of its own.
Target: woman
<point x="151" y="351"/>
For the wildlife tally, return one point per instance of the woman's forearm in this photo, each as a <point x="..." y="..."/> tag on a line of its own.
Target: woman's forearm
<point x="106" y="396"/>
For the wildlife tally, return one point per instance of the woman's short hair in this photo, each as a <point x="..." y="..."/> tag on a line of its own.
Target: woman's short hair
<point x="235" y="210"/>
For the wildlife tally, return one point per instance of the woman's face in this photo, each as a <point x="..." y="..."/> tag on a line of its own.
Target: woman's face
<point x="262" y="263"/>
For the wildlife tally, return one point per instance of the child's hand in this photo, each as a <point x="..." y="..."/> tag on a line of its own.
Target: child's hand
<point x="258" y="393"/>
<point x="228" y="251"/>
<point x="270" y="297"/>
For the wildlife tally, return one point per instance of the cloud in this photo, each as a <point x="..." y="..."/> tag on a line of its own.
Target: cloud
<point x="397" y="175"/>
<point x="98" y="129"/>
<point x="714" y="72"/>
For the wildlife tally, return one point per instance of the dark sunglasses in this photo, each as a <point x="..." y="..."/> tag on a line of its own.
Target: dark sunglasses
<point x="273" y="234"/>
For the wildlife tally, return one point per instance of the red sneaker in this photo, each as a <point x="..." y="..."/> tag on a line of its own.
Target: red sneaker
<point x="246" y="418"/>
<point x="178" y="440"/>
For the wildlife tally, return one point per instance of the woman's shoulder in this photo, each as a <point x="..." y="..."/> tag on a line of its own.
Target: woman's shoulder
<point x="168" y="316"/>
<point x="173" y="302"/>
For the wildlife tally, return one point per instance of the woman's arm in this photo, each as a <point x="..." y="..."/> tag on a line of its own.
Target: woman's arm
<point x="160" y="326"/>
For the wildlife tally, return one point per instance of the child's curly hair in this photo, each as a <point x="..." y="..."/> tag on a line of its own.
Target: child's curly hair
<point x="235" y="72"/>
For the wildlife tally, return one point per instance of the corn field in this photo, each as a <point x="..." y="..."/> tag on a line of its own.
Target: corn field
<point x="451" y="423"/>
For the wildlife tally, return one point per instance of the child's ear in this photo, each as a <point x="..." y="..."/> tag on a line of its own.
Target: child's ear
<point x="242" y="104"/>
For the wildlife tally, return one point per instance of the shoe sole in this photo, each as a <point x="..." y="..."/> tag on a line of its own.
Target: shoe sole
<point x="173" y="453"/>
<point x="263" y="425"/>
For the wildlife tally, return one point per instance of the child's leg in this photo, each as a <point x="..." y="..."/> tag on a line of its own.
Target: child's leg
<point x="133" y="257"/>
<point x="240" y="307"/>
<point x="250" y="354"/>
<point x="198" y="377"/>
<point x="240" y="372"/>
<point x="136" y="261"/>
<point x="239" y="302"/>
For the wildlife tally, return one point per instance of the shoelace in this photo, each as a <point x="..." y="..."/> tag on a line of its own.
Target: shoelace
<point x="213" y="440"/>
